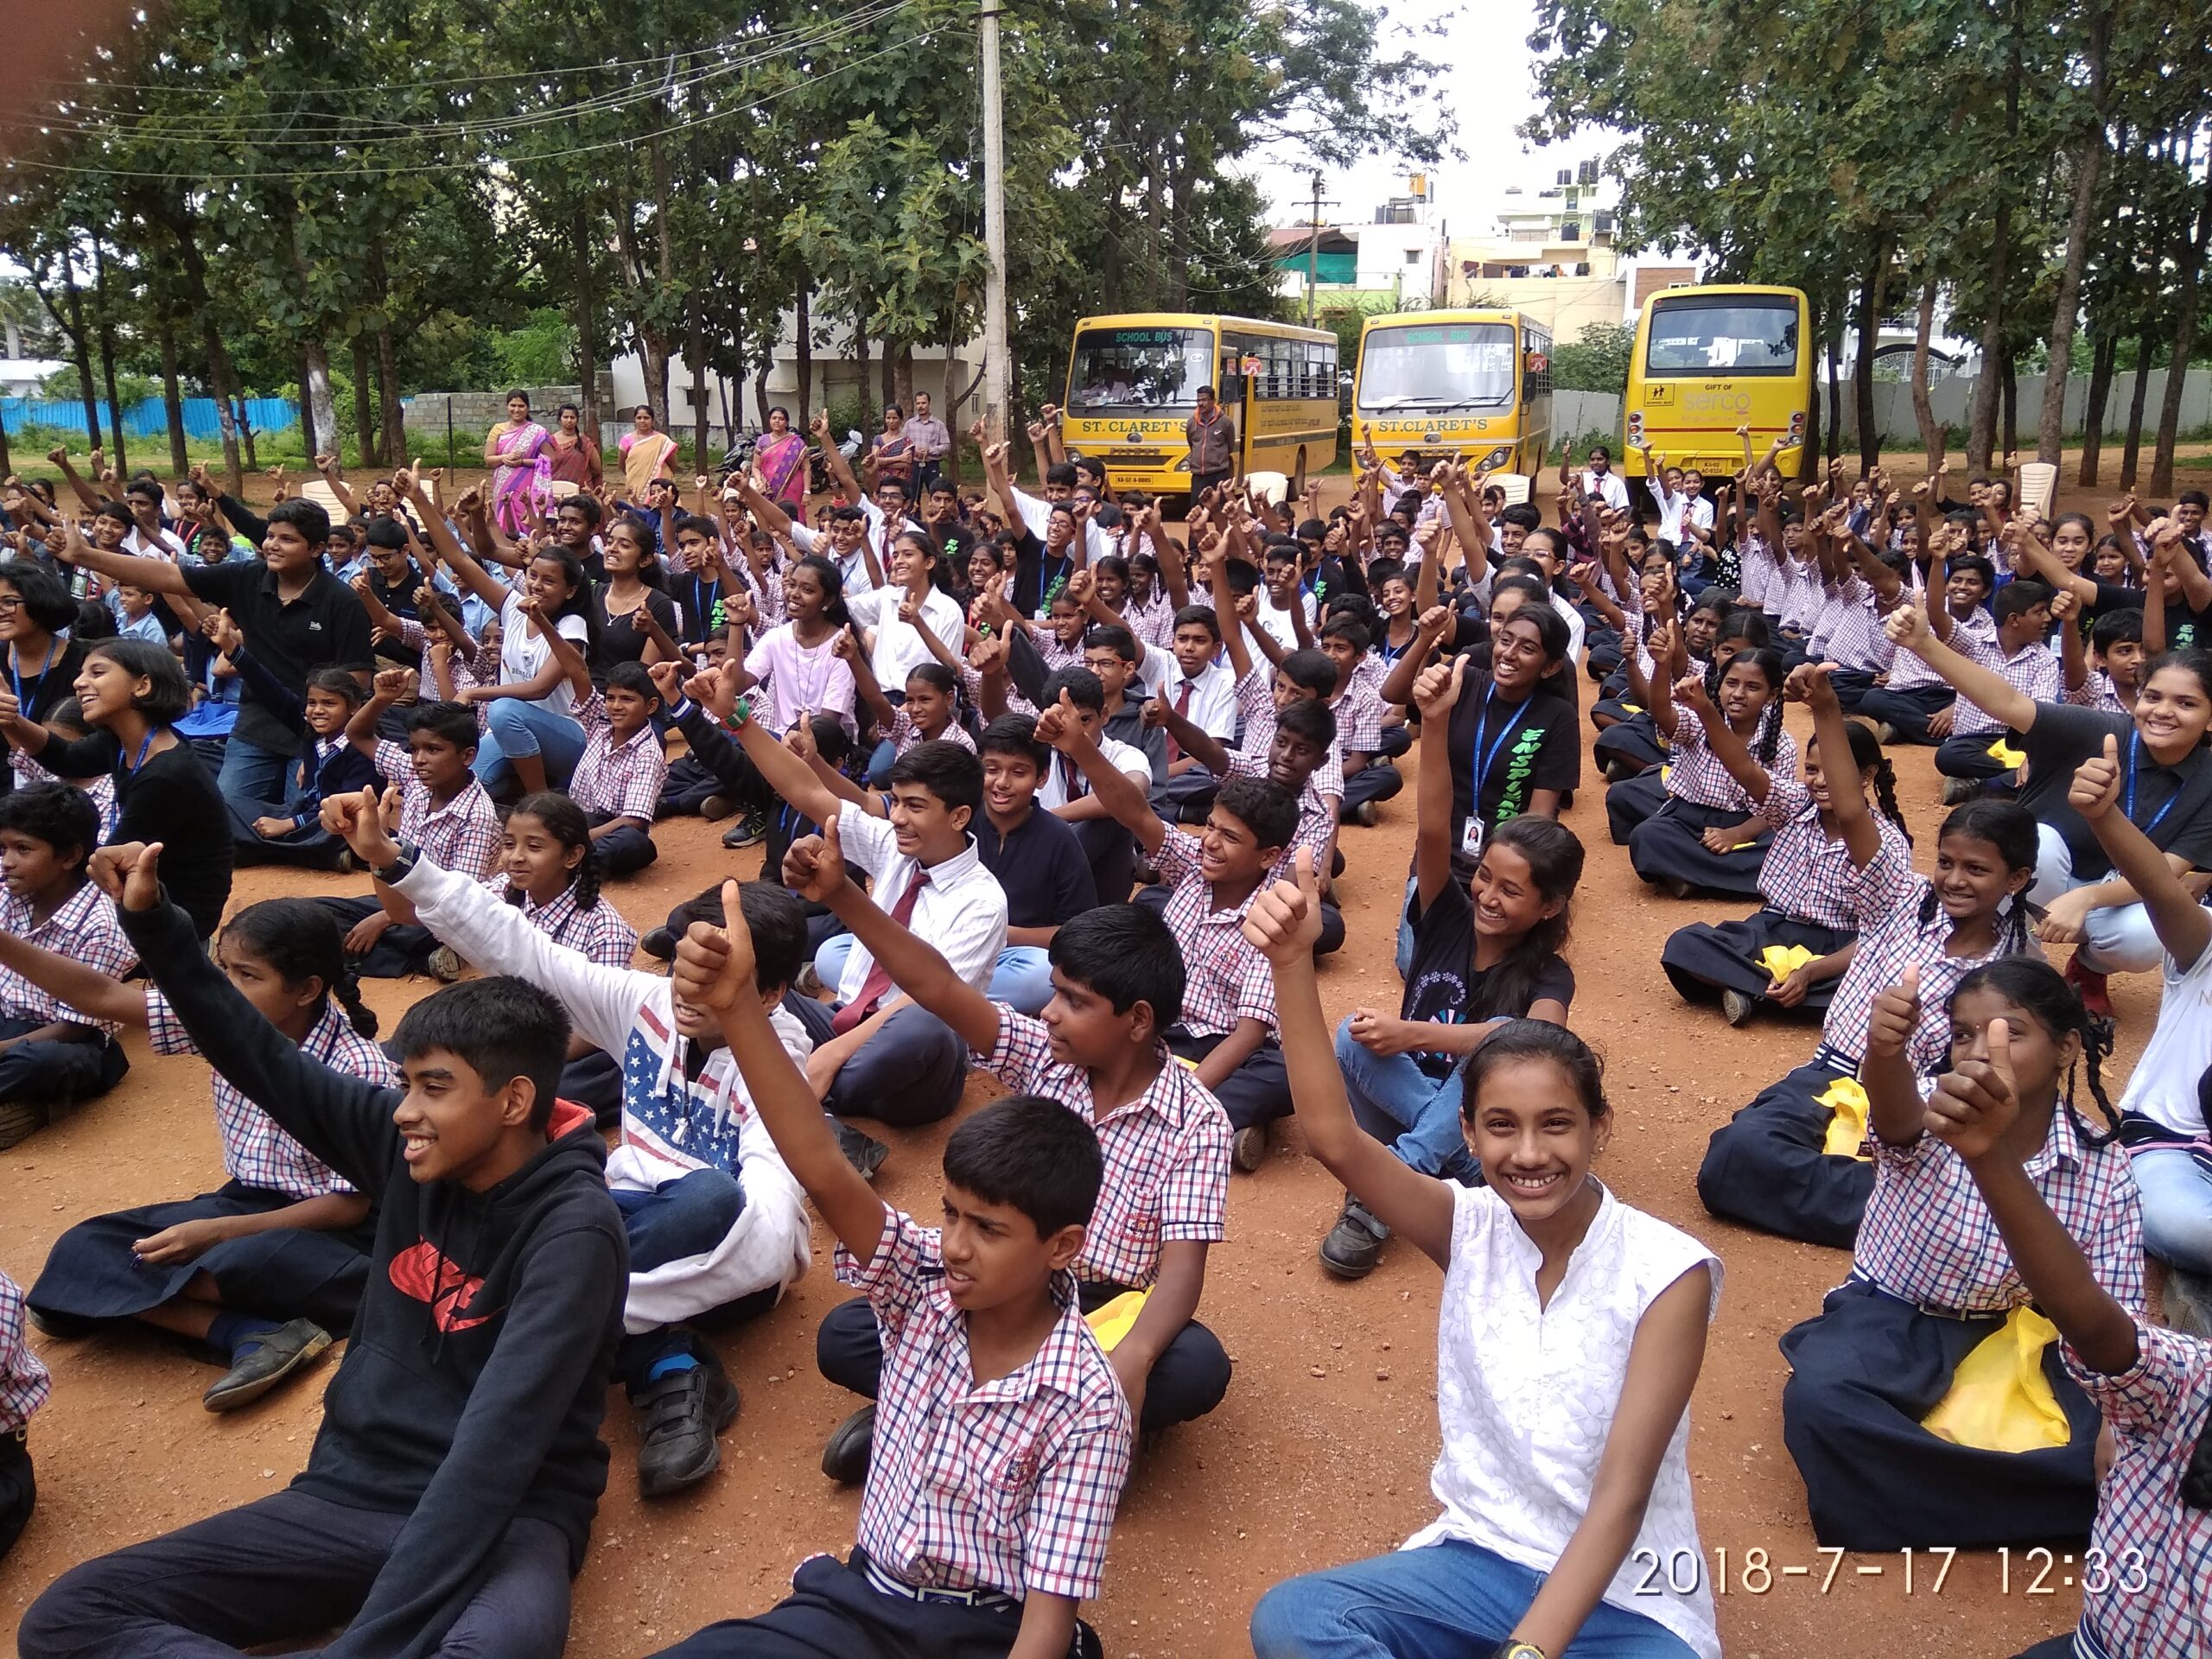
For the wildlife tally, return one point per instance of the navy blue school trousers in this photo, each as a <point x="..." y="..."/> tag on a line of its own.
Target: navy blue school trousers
<point x="622" y="852"/>
<point x="288" y="1567"/>
<point x="910" y="1072"/>
<point x="18" y="1490"/>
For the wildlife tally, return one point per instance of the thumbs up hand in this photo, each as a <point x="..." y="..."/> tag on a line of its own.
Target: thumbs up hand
<point x="2096" y="782"/>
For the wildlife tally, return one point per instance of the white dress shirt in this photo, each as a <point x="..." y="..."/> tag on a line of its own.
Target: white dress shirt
<point x="1213" y="693"/>
<point x="1052" y="790"/>
<point x="900" y="648"/>
<point x="962" y="912"/>
<point x="1611" y="488"/>
<point x="852" y="567"/>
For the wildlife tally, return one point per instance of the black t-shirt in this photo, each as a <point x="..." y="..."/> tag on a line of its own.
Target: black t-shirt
<point x="1442" y="983"/>
<point x="324" y="628"/>
<point x="621" y="639"/>
<point x="37" y="688"/>
<point x="1527" y="747"/>
<point x="2172" y="805"/>
<point x="171" y="799"/>
<point x="402" y="599"/>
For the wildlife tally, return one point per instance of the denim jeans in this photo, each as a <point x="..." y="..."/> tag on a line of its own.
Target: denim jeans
<point x="514" y="726"/>
<point x="252" y="776"/>
<point x="1443" y="1601"/>
<point x="1022" y="979"/>
<point x="2176" y="1207"/>
<point x="2116" y="939"/>
<point x="1400" y="1104"/>
<point x="688" y="1216"/>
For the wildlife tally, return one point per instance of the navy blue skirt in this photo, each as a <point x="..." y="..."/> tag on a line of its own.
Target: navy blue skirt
<point x="1668" y="846"/>
<point x="286" y="1273"/>
<point x="1704" y="959"/>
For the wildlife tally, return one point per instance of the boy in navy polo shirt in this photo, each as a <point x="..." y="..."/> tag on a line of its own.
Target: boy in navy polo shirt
<point x="1038" y="858"/>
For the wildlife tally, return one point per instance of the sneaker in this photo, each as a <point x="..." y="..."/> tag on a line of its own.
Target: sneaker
<point x="1364" y="814"/>
<point x="1957" y="790"/>
<point x="1886" y="733"/>
<point x="715" y="808"/>
<point x="344" y="864"/>
<point x="863" y="1152"/>
<point x="682" y="1414"/>
<point x="20" y="1120"/>
<point x="445" y="964"/>
<point x="1737" y="1008"/>
<point x="1353" y="1248"/>
<point x="1250" y="1150"/>
<point x="2092" y="986"/>
<point x="748" y="831"/>
<point x="261" y="1363"/>
<point x="658" y="942"/>
<point x="852" y="1443"/>
<point x="1617" y="769"/>
<point x="809" y="983"/>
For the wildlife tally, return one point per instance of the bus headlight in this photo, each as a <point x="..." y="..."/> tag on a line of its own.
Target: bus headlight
<point x="1182" y="463"/>
<point x="1495" y="459"/>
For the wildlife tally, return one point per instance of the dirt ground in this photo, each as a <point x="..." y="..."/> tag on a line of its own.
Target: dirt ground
<point x="1320" y="1453"/>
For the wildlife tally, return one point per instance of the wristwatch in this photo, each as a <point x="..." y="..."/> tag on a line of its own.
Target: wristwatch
<point x="1511" y="1649"/>
<point x="401" y="868"/>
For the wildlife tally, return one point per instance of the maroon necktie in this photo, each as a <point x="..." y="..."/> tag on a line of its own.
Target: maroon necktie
<point x="879" y="977"/>
<point x="1182" y="708"/>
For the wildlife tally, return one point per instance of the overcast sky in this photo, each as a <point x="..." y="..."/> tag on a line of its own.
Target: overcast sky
<point x="1488" y="83"/>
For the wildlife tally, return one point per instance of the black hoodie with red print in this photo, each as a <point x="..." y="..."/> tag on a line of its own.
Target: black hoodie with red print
<point x="476" y="1372"/>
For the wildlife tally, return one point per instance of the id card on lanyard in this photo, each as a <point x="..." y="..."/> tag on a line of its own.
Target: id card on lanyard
<point x="1470" y="838"/>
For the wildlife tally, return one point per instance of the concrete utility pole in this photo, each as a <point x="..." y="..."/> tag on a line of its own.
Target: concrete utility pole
<point x="996" y="389"/>
<point x="1313" y="250"/>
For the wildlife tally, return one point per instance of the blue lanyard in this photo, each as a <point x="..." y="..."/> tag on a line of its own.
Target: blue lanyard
<point x="139" y="759"/>
<point x="2134" y="749"/>
<point x="1483" y="762"/>
<point x="699" y="600"/>
<point x="24" y="702"/>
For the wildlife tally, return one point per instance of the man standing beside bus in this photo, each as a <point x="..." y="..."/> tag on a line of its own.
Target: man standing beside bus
<point x="1213" y="435"/>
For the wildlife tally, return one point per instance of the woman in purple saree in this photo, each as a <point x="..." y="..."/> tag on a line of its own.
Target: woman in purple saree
<point x="781" y="459"/>
<point x="518" y="451"/>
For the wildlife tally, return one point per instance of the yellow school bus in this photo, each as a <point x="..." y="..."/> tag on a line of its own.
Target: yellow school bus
<point x="1133" y="381"/>
<point x="1710" y="360"/>
<point x="1466" y="385"/>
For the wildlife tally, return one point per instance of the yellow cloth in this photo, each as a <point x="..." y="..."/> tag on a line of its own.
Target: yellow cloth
<point x="1847" y="1128"/>
<point x="2007" y="756"/>
<point x="1999" y="1399"/>
<point x="1110" y="1322"/>
<point x="1633" y="707"/>
<point x="1781" y="961"/>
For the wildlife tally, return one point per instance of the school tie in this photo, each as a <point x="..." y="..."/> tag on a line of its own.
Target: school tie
<point x="879" y="978"/>
<point x="1182" y="708"/>
<point x="1072" y="781"/>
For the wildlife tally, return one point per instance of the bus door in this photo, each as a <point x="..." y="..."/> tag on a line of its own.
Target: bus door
<point x="1239" y="385"/>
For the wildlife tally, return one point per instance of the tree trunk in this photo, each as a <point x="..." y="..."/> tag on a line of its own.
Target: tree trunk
<point x="2010" y="389"/>
<point x="2133" y="451"/>
<point x="888" y="369"/>
<point x="2050" y="425"/>
<point x="1982" y="425"/>
<point x="80" y="348"/>
<point x="176" y="217"/>
<point x="1923" y="409"/>
<point x="952" y="400"/>
<point x="1808" y="457"/>
<point x="391" y="423"/>
<point x="868" y="416"/>
<point x="7" y="464"/>
<point x="695" y="348"/>
<point x="902" y="376"/>
<point x="107" y="357"/>
<point x="587" y="326"/>
<point x="2093" y="415"/>
<point x="802" y="354"/>
<point x="365" y="413"/>
<point x="245" y="432"/>
<point x="317" y="399"/>
<point x="172" y="393"/>
<point x="1834" y="354"/>
<point x="2184" y="331"/>
<point x="1872" y="292"/>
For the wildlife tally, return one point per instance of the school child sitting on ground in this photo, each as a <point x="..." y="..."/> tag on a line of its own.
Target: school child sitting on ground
<point x="1211" y="877"/>
<point x="1713" y="632"/>
<point x="24" y="1386"/>
<point x="444" y="808"/>
<point x="2103" y="671"/>
<point x="1573" y="1330"/>
<point x="2143" y="1591"/>
<point x="618" y="781"/>
<point x="1914" y="703"/>
<point x="1970" y="757"/>
<point x="1118" y="984"/>
<point x="1484" y="953"/>
<point x="1005" y="1435"/>
<point x="1865" y="1413"/>
<point x="266" y="1269"/>
<point x="1789" y="953"/>
<point x="1790" y="1161"/>
<point x="1064" y="793"/>
<point x="1689" y="826"/>
<point x="1189" y="678"/>
<point x="450" y="1491"/>
<point x="715" y="1221"/>
<point x="1361" y="750"/>
<point x="1038" y="859"/>
<point x="326" y="765"/>
<point x="54" y="1056"/>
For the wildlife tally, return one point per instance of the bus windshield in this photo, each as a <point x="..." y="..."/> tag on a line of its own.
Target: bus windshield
<point x="1441" y="366"/>
<point x="1745" y="334"/>
<point x="1139" y="368"/>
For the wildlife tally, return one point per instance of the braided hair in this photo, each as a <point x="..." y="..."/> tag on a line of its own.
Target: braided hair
<point x="566" y="822"/>
<point x="1766" y="742"/>
<point x="2011" y="829"/>
<point x="1874" y="766"/>
<point x="300" y="940"/>
<point x="2039" y="989"/>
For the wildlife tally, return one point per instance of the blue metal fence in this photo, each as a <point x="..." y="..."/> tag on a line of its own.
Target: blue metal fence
<point x="147" y="418"/>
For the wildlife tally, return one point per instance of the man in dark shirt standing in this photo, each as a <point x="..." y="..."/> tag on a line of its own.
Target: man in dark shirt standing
<point x="1213" y="435"/>
<point x="1038" y="859"/>
<point x="295" y="616"/>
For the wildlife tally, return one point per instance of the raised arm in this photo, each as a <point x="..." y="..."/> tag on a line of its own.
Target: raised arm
<point x="1987" y="689"/>
<point x="1061" y="728"/>
<point x="466" y="570"/>
<point x="157" y="575"/>
<point x="2183" y="925"/>
<point x="1436" y="694"/>
<point x="1728" y="749"/>
<point x="1809" y="682"/>
<point x="334" y="475"/>
<point x="848" y="487"/>
<point x="84" y="989"/>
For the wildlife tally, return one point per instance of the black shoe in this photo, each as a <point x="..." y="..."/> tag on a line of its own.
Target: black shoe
<point x="852" y="1443"/>
<point x="1737" y="1006"/>
<point x="263" y="1362"/>
<point x="660" y="943"/>
<point x="715" y="808"/>
<point x="748" y="831"/>
<point x="863" y="1152"/>
<point x="1249" y="1150"/>
<point x="682" y="1414"/>
<point x="1353" y="1248"/>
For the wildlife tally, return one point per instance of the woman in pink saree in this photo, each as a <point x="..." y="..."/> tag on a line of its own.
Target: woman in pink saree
<point x="517" y="452"/>
<point x="781" y="459"/>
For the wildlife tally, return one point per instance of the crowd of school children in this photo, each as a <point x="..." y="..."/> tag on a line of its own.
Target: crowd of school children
<point x="1051" y="792"/>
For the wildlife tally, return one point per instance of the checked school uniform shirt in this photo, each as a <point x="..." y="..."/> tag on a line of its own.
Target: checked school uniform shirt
<point x="1909" y="671"/>
<point x="1152" y="620"/>
<point x="1359" y="718"/>
<point x="1008" y="1485"/>
<point x="1848" y="633"/>
<point x="1808" y="876"/>
<point x="1167" y="1154"/>
<point x="256" y="1151"/>
<point x="1255" y="701"/>
<point x="2150" y="1595"/>
<point x="84" y="928"/>
<point x="904" y="734"/>
<point x="2097" y="692"/>
<point x="1695" y="772"/>
<point x="463" y="835"/>
<point x="621" y="780"/>
<point x="24" y="1382"/>
<point x="2032" y="670"/>
<point x="1230" y="980"/>
<point x="599" y="934"/>
<point x="1929" y="1238"/>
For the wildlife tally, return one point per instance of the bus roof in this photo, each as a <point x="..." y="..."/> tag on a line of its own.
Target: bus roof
<point x="1699" y="289"/>
<point x="1201" y="319"/>
<point x="1431" y="318"/>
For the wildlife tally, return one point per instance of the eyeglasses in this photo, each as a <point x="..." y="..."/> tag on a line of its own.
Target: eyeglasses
<point x="10" y="604"/>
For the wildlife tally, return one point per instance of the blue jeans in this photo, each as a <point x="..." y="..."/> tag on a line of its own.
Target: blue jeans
<point x="252" y="776"/>
<point x="829" y="960"/>
<point x="2116" y="939"/>
<point x="1400" y="1104"/>
<point x="688" y="1216"/>
<point x="1023" y="978"/>
<point x="1445" y="1601"/>
<point x="2176" y="1207"/>
<point x="1405" y="957"/>
<point x="514" y="726"/>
